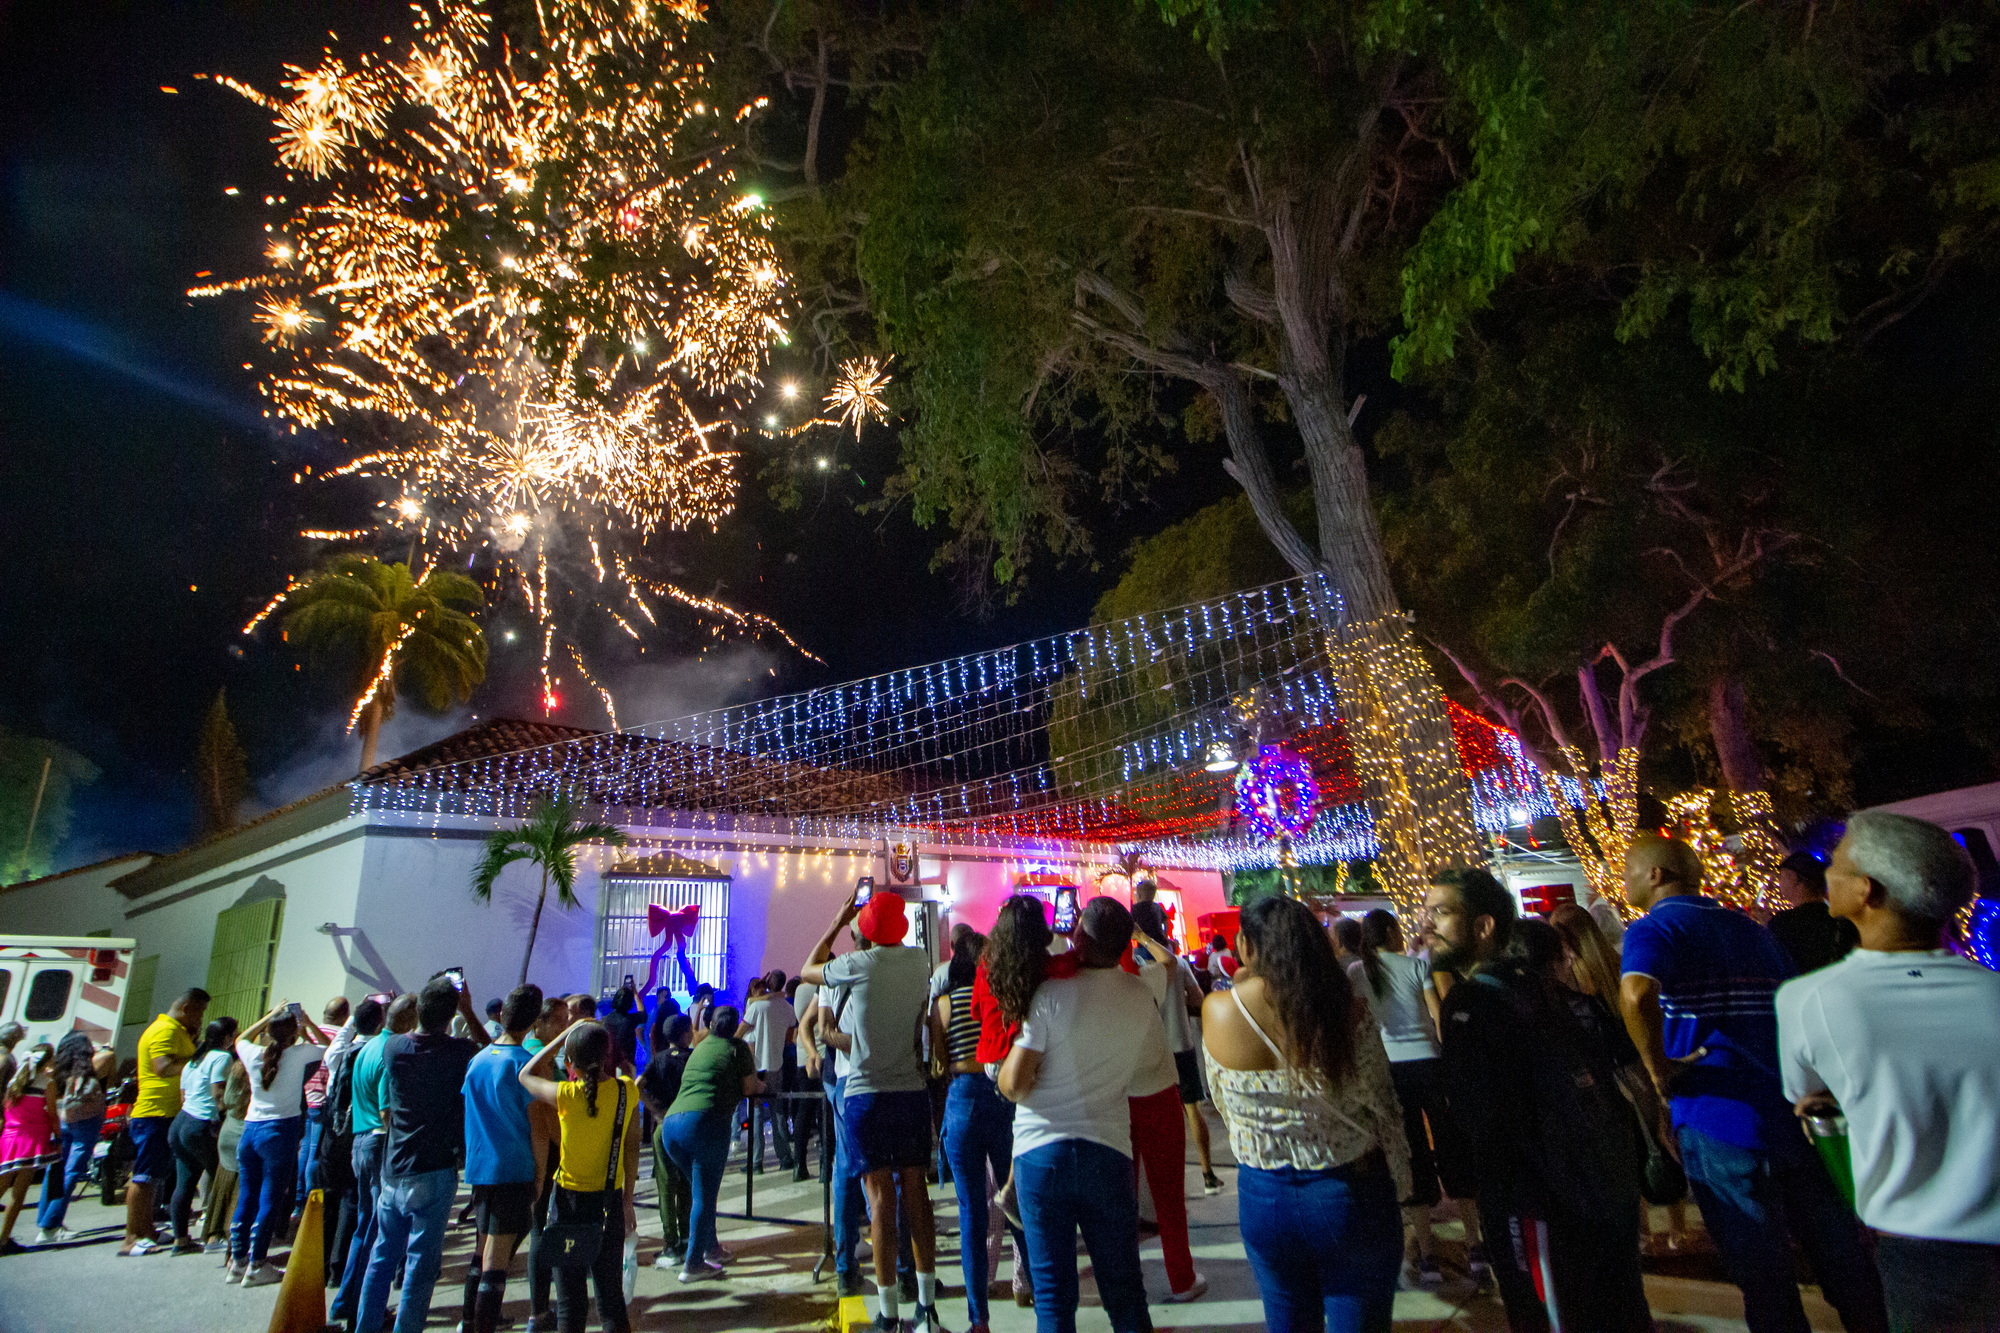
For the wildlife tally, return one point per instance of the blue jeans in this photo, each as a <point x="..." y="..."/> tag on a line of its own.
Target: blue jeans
<point x="978" y="1135"/>
<point x="849" y="1205"/>
<point x="71" y="1165"/>
<point x="1324" y="1246"/>
<point x="1755" y="1201"/>
<point x="367" y="1159"/>
<point x="698" y="1143"/>
<point x="309" y="1151"/>
<point x="410" y="1217"/>
<point x="1073" y="1186"/>
<point x="267" y="1158"/>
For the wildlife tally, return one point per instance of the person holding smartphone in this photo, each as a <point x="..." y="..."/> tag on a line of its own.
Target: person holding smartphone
<point x="423" y="1119"/>
<point x="885" y="1104"/>
<point x="278" y="1050"/>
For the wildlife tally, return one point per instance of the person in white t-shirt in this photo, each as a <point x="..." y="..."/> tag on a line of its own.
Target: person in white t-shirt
<point x="1087" y="1043"/>
<point x="267" y="1155"/>
<point x="768" y="1023"/>
<point x="885" y="1107"/>
<point x="1902" y="1037"/>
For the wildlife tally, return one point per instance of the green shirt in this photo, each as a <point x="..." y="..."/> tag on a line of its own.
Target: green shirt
<point x="371" y="1082"/>
<point x="713" y="1078"/>
<point x="532" y="1045"/>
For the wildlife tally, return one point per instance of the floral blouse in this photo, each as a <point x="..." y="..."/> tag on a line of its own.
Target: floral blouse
<point x="1291" y="1117"/>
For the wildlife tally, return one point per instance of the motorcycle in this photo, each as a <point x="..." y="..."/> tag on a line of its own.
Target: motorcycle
<point x="111" y="1159"/>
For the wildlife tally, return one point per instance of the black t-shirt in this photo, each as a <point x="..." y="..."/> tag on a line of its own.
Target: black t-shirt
<point x="662" y="1079"/>
<point x="424" y="1111"/>
<point x="1814" y="936"/>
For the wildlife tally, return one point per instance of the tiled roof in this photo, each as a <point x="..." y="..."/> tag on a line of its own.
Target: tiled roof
<point x="495" y="736"/>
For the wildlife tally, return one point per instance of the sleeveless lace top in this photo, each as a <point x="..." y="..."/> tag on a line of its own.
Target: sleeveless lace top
<point x="1290" y="1117"/>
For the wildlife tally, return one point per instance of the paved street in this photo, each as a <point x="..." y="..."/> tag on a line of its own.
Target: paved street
<point x="84" y="1288"/>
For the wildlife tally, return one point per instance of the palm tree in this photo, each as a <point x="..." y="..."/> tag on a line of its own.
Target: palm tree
<point x="549" y="839"/>
<point x="409" y="636"/>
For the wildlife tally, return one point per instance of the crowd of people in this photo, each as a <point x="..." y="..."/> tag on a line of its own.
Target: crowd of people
<point x="1551" y="1080"/>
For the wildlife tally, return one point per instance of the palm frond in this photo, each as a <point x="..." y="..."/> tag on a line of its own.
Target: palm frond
<point x="503" y="848"/>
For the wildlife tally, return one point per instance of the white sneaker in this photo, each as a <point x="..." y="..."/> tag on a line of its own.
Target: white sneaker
<point x="54" y="1236"/>
<point x="1195" y="1291"/>
<point x="666" y="1262"/>
<point x="264" y="1275"/>
<point x="234" y="1272"/>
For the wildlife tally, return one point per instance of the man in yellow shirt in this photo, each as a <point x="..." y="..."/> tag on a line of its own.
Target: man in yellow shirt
<point x="166" y="1046"/>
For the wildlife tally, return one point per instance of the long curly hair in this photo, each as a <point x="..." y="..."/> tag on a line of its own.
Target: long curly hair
<point x="1304" y="983"/>
<point x="284" y="1030"/>
<point x="1017" y="954"/>
<point x="589" y="1052"/>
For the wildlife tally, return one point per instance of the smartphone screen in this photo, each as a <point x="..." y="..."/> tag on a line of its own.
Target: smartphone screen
<point x="297" y="1010"/>
<point x="863" y="888"/>
<point x="381" y="996"/>
<point x="457" y="975"/>
<point x="1065" y="910"/>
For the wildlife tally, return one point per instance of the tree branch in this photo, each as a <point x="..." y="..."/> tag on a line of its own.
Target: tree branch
<point x="1508" y="715"/>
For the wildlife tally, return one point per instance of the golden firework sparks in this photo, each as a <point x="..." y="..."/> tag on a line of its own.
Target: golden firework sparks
<point x="856" y="395"/>
<point x="445" y="188"/>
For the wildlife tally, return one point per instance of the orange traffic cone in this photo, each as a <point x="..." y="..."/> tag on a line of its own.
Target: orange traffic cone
<point x="301" y="1304"/>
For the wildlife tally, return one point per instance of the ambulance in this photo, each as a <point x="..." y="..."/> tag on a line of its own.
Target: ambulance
<point x="54" y="985"/>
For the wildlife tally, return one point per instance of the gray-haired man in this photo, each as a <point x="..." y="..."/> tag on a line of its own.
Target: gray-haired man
<point x="1903" y="1036"/>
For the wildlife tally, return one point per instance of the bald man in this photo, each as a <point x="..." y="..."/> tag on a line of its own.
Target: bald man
<point x="1699" y="999"/>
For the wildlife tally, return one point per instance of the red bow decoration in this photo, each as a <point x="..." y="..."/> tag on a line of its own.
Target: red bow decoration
<point x="674" y="924"/>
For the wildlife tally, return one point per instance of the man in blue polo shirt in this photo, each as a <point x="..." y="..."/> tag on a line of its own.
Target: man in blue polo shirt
<point x="1698" y="995"/>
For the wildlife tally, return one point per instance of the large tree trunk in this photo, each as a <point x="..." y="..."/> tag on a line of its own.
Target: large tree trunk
<point x="1729" y="727"/>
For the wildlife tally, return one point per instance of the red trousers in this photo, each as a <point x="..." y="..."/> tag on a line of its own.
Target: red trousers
<point x="1159" y="1144"/>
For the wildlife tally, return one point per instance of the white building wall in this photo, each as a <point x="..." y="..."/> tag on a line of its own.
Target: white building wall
<point x="78" y="902"/>
<point x="315" y="874"/>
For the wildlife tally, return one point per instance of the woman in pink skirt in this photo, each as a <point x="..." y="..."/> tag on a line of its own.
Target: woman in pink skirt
<point x="27" y="1136"/>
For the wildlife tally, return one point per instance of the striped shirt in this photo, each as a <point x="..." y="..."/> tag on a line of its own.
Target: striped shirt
<point x="1719" y="973"/>
<point x="961" y="1033"/>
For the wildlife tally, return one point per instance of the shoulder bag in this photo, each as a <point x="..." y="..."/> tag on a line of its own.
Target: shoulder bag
<point x="574" y="1241"/>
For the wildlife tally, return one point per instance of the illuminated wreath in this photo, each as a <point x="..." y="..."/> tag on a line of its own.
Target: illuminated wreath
<point x="1277" y="793"/>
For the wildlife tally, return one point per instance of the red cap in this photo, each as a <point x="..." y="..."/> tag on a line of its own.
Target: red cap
<point x="882" y="920"/>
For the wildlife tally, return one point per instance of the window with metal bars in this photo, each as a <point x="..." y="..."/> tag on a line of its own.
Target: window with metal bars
<point x="625" y="943"/>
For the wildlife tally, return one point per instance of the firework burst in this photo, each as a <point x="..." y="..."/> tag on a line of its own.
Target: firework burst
<point x="525" y="261"/>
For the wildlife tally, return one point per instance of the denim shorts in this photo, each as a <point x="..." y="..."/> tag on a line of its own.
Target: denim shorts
<point x="887" y="1130"/>
<point x="152" y="1155"/>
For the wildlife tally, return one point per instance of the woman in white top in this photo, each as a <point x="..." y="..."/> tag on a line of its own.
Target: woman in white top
<point x="194" y="1132"/>
<point x="1405" y="999"/>
<point x="1299" y="1070"/>
<point x="267" y="1156"/>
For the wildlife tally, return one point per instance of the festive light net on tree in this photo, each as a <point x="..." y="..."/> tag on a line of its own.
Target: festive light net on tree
<point x="1099" y="737"/>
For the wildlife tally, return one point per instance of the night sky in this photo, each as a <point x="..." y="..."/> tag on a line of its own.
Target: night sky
<point x="146" y="510"/>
